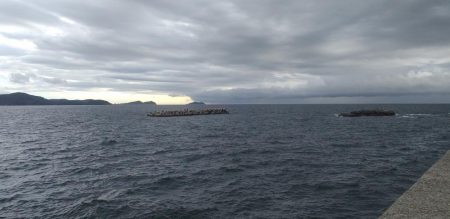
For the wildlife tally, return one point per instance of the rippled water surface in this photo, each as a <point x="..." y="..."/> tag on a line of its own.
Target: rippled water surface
<point x="268" y="161"/>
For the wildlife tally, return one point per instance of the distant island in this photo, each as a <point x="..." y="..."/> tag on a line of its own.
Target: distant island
<point x="197" y="103"/>
<point x="16" y="99"/>
<point x="140" y="102"/>
<point x="374" y="112"/>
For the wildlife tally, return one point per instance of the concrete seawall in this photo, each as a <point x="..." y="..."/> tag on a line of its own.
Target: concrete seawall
<point x="429" y="197"/>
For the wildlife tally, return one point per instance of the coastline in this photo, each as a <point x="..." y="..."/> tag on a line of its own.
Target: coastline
<point x="429" y="197"/>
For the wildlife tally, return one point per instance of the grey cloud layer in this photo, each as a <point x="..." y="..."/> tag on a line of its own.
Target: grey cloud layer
<point x="234" y="51"/>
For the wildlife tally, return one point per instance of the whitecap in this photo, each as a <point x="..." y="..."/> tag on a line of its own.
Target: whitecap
<point x="420" y="114"/>
<point x="415" y="115"/>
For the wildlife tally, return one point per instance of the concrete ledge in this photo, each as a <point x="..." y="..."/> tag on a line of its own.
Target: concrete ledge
<point x="429" y="197"/>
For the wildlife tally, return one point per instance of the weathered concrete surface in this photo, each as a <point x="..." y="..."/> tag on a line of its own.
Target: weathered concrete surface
<point x="429" y="197"/>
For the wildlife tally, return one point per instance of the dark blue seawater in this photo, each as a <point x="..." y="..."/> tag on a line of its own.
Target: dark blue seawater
<point x="260" y="161"/>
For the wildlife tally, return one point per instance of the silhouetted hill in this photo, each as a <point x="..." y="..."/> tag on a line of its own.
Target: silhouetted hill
<point x="79" y="102"/>
<point x="140" y="102"/>
<point x="22" y="99"/>
<point x="197" y="103"/>
<point x="27" y="99"/>
<point x="150" y="102"/>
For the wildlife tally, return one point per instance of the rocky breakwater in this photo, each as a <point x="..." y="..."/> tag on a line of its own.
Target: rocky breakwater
<point x="368" y="113"/>
<point x="187" y="112"/>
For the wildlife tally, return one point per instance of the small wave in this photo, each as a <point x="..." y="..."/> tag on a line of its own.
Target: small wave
<point x="194" y="157"/>
<point x="323" y="186"/>
<point x="272" y="142"/>
<point x="34" y="149"/>
<point x="107" y="142"/>
<point x="344" y="145"/>
<point x="170" y="182"/>
<point x="268" y="151"/>
<point x="4" y="176"/>
<point x="247" y="151"/>
<point x="15" y="196"/>
<point x="231" y="169"/>
<point x="30" y="141"/>
<point x="163" y="151"/>
<point x="405" y="149"/>
<point x="110" y="195"/>
<point x="211" y="136"/>
<point x="181" y="212"/>
<point x="83" y="170"/>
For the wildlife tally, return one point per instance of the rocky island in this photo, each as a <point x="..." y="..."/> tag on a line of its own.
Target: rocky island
<point x="187" y="112"/>
<point x="368" y="113"/>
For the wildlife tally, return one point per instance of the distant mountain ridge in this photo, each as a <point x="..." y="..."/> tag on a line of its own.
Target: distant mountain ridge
<point x="196" y="103"/>
<point x="140" y="102"/>
<point x="17" y="99"/>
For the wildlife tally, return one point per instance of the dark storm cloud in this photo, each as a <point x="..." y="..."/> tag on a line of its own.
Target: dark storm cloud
<point x="233" y="51"/>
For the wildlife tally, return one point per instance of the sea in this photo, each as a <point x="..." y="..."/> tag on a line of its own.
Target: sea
<point x="259" y="161"/>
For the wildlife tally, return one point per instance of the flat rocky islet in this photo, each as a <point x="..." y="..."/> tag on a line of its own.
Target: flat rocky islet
<point x="187" y="112"/>
<point x="375" y="112"/>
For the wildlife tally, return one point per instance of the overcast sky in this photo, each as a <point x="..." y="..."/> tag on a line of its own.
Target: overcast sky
<point x="242" y="51"/>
